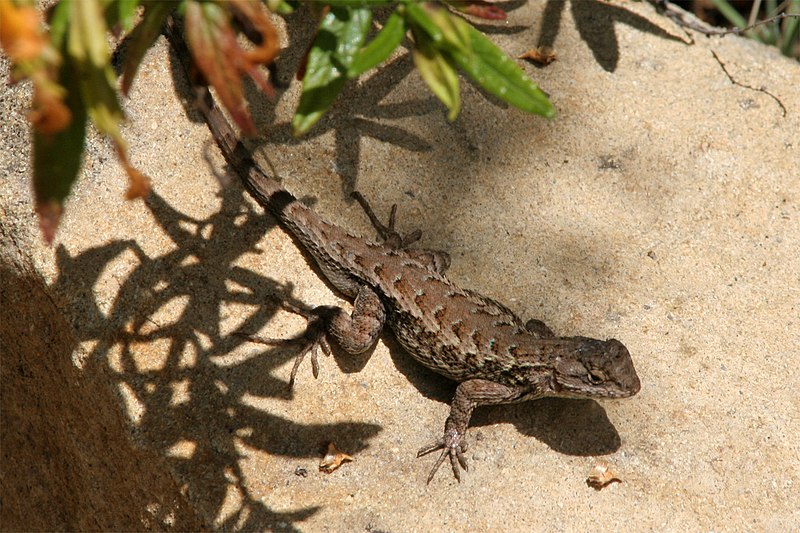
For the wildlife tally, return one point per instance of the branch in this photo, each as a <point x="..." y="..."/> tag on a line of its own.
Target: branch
<point x="679" y="17"/>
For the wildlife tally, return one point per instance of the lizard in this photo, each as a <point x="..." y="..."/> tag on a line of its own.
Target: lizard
<point x="472" y="339"/>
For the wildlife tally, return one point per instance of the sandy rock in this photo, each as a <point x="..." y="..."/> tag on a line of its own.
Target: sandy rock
<point x="660" y="207"/>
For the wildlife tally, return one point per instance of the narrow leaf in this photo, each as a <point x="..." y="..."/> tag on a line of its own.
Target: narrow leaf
<point x="218" y="55"/>
<point x="280" y="7"/>
<point x="419" y="18"/>
<point x="122" y="13"/>
<point x="265" y="52"/>
<point x="88" y="52"/>
<point x="57" y="157"/>
<point x="212" y="41"/>
<point x="791" y="29"/>
<point x="268" y="45"/>
<point x="495" y="72"/>
<point x="437" y="72"/>
<point x="142" y="38"/>
<point x="340" y="36"/>
<point x="59" y="21"/>
<point x="86" y="46"/>
<point x="454" y="30"/>
<point x="380" y="47"/>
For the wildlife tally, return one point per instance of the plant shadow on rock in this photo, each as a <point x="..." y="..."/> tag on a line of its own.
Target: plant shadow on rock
<point x="360" y="112"/>
<point x="356" y="113"/>
<point x="595" y="23"/>
<point x="173" y="370"/>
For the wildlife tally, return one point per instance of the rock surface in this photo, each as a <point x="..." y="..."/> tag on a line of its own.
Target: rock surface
<point x="660" y="207"/>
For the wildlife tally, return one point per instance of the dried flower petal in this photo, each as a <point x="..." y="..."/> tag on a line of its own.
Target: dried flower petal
<point x="333" y="459"/>
<point x="544" y="55"/>
<point x="601" y="476"/>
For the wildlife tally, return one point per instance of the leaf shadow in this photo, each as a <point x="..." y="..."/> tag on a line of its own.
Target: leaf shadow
<point x="358" y="112"/>
<point x="595" y="22"/>
<point x="194" y="405"/>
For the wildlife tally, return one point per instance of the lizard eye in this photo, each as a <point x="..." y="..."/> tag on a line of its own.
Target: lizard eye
<point x="596" y="377"/>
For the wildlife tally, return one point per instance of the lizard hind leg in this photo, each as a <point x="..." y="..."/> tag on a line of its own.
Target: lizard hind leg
<point x="357" y="332"/>
<point x="313" y="339"/>
<point x="437" y="260"/>
<point x="354" y="333"/>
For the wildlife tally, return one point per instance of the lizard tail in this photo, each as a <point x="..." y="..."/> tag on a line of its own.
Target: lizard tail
<point x="267" y="191"/>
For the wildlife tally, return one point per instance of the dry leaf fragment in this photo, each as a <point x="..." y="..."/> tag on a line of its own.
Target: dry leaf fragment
<point x="601" y="476"/>
<point x="333" y="459"/>
<point x="23" y="39"/>
<point x="213" y="41"/>
<point x="543" y="55"/>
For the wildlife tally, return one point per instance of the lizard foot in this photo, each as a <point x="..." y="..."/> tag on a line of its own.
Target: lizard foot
<point x="435" y="259"/>
<point x="313" y="339"/>
<point x="453" y="447"/>
<point x="387" y="232"/>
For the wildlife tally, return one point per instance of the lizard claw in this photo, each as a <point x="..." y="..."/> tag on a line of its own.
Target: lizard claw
<point x="435" y="259"/>
<point x="314" y="338"/>
<point x="318" y="342"/>
<point x="386" y="231"/>
<point x="451" y="447"/>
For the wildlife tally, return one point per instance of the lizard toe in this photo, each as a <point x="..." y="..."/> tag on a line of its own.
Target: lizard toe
<point x="425" y="450"/>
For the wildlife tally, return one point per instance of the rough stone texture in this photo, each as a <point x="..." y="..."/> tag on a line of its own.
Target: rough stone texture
<point x="68" y="463"/>
<point x="661" y="207"/>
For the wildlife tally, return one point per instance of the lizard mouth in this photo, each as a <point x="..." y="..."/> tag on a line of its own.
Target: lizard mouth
<point x="580" y="391"/>
<point x="626" y="391"/>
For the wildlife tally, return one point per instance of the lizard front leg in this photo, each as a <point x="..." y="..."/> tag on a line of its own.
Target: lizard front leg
<point x="469" y="395"/>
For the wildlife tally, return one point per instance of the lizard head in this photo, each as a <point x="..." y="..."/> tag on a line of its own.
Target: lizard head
<point x="595" y="369"/>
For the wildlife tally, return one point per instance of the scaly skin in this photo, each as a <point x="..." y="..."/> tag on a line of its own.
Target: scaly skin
<point x="479" y="343"/>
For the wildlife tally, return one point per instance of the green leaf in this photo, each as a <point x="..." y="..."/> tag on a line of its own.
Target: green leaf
<point x="339" y="38"/>
<point x="88" y="52"/>
<point x="142" y="38"/>
<point x="86" y="42"/>
<point x="730" y="13"/>
<point x="437" y="72"/>
<point x="127" y="13"/>
<point x="380" y="47"/>
<point x="59" y="20"/>
<point x="122" y="12"/>
<point x="460" y="44"/>
<point x="57" y="157"/>
<point x="86" y="46"/>
<point x="496" y="73"/>
<point x="420" y="18"/>
<point x="791" y="29"/>
<point x="454" y="30"/>
<point x="352" y="35"/>
<point x="280" y="7"/>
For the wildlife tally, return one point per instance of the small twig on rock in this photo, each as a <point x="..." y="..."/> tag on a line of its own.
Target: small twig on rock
<point x="759" y="89"/>
<point x="679" y="17"/>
